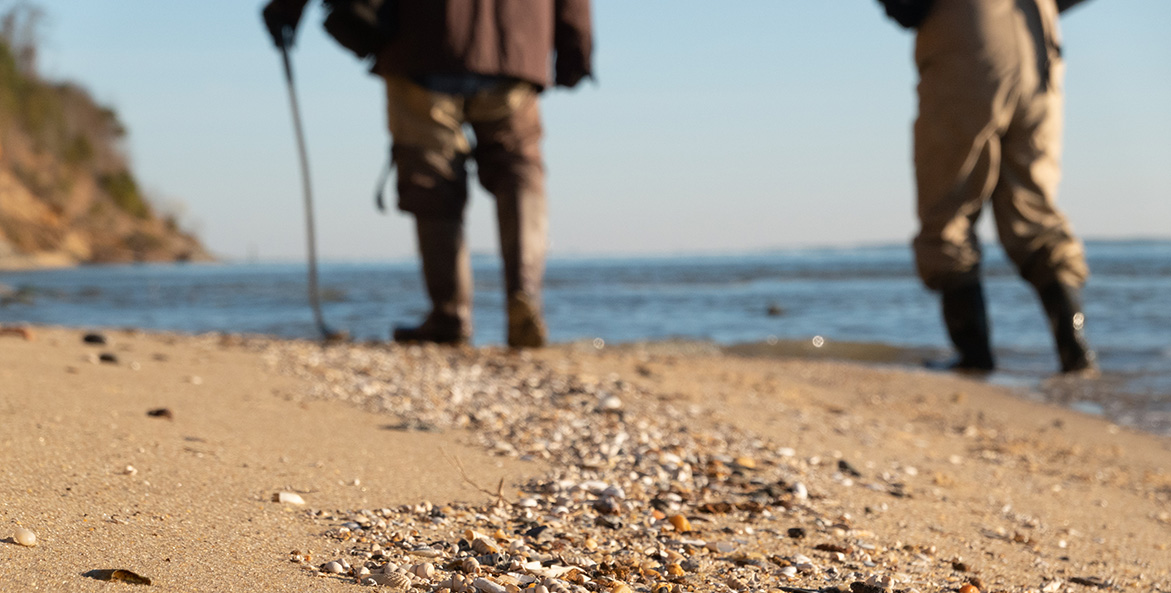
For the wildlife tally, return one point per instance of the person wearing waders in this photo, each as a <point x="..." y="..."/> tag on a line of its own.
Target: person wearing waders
<point x="480" y="64"/>
<point x="989" y="131"/>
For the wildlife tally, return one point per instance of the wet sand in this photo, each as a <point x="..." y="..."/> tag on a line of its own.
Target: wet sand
<point x="950" y="481"/>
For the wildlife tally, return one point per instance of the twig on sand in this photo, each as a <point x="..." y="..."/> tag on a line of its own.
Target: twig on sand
<point x="499" y="493"/>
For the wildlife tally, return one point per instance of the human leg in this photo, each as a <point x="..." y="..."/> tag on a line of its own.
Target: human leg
<point x="430" y="151"/>
<point x="1036" y="235"/>
<point x="957" y="154"/>
<point x="507" y="125"/>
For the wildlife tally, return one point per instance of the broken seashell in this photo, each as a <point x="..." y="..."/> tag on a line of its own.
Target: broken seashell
<point x="682" y="525"/>
<point x="482" y="545"/>
<point x="487" y="586"/>
<point x="425" y="570"/>
<point x="470" y="566"/>
<point x="556" y="586"/>
<point x="288" y="497"/>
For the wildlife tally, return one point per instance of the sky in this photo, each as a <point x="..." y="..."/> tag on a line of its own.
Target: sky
<point x="712" y="127"/>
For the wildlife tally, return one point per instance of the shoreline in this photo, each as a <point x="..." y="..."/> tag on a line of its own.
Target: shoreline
<point x="943" y="472"/>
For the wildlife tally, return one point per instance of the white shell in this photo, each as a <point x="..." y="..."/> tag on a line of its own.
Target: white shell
<point x="25" y="537"/>
<point x="288" y="498"/>
<point x="425" y="570"/>
<point x="334" y="567"/>
<point x="486" y="586"/>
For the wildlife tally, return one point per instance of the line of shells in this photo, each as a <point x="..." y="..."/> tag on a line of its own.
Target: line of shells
<point x="642" y="494"/>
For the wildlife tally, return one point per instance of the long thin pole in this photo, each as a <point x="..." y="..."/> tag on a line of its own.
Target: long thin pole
<point x="314" y="299"/>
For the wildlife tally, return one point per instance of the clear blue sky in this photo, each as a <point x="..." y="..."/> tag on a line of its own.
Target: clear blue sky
<point x="713" y="126"/>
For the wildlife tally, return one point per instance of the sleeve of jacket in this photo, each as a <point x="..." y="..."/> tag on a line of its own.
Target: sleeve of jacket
<point x="572" y="41"/>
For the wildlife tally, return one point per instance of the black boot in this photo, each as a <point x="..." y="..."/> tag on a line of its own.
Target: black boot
<point x="1063" y="307"/>
<point x="966" y="318"/>
<point x="447" y="272"/>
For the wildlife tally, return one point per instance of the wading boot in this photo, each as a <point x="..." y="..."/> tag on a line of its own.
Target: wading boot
<point x="966" y="318"/>
<point x="526" y="329"/>
<point x="523" y="225"/>
<point x="447" y="272"/>
<point x="1063" y="307"/>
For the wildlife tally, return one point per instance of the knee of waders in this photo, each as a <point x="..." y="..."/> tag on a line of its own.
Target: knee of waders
<point x="504" y="171"/>
<point x="430" y="184"/>
<point x="1064" y="264"/>
<point x="943" y="267"/>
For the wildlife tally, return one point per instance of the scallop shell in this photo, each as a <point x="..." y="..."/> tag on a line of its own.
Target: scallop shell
<point x="395" y="580"/>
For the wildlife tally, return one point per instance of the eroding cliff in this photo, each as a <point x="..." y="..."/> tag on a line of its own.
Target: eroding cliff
<point x="67" y="194"/>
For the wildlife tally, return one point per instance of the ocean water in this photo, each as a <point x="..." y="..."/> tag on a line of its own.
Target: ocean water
<point x="861" y="303"/>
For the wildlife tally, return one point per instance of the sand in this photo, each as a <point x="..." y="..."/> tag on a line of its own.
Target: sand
<point x="1021" y="495"/>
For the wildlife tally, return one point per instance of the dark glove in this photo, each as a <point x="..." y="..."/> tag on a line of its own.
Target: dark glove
<point x="570" y="69"/>
<point x="908" y="13"/>
<point x="1064" y="5"/>
<point x="281" y="18"/>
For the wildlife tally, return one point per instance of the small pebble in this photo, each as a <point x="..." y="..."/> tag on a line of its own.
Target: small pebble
<point x="95" y="338"/>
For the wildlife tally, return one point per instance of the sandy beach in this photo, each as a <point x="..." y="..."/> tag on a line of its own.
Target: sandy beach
<point x="658" y="468"/>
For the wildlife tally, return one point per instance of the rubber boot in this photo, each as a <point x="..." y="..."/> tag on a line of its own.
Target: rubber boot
<point x="966" y="317"/>
<point x="1063" y="307"/>
<point x="447" y="272"/>
<point x="523" y="223"/>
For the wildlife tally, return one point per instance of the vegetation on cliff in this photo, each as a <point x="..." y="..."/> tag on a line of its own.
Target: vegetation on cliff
<point x="67" y="194"/>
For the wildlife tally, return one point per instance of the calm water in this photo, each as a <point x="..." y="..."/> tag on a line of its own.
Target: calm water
<point x="857" y="295"/>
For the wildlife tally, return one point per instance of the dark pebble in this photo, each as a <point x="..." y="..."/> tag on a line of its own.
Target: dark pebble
<point x="108" y="358"/>
<point x="95" y="339"/>
<point x="845" y="467"/>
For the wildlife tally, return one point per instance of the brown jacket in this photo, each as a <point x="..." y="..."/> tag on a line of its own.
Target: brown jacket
<point x="514" y="38"/>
